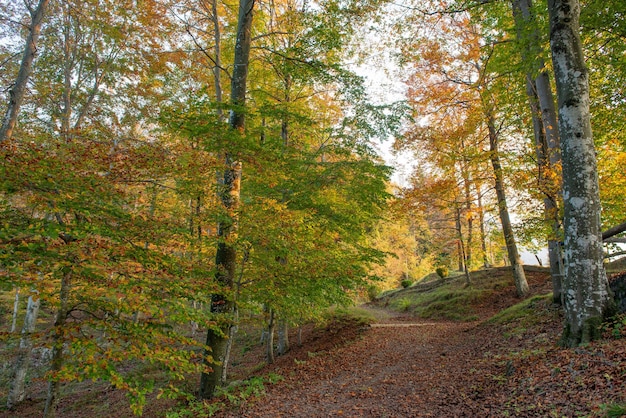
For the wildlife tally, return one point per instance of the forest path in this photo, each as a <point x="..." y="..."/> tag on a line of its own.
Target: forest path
<point x="396" y="368"/>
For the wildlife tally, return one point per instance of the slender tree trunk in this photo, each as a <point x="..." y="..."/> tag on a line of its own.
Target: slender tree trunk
<point x="283" y="337"/>
<point x="16" y="306"/>
<point x="229" y="342"/>
<point x="481" y="221"/>
<point x="58" y="342"/>
<point x="465" y="269"/>
<point x="17" y="91"/>
<point x="546" y="178"/>
<point x="459" y="244"/>
<point x="226" y="256"/>
<point x="547" y="140"/>
<point x="269" y="343"/>
<point x="300" y="333"/>
<point x="611" y="232"/>
<point x="17" y="391"/>
<point x="511" y="247"/>
<point x="217" y="68"/>
<point x="467" y="185"/>
<point x="470" y="224"/>
<point x="67" y="77"/>
<point x="586" y="296"/>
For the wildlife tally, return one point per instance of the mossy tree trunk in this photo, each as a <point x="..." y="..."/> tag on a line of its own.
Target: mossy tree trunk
<point x="586" y="298"/>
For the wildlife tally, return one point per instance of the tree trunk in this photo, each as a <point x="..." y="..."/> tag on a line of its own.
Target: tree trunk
<point x="299" y="335"/>
<point x="58" y="342"/>
<point x="16" y="308"/>
<point x="547" y="169"/>
<point x="226" y="256"/>
<point x="283" y="337"/>
<point x="585" y="287"/>
<point x="547" y="140"/>
<point x="511" y="247"/>
<point x="217" y="68"/>
<point x="467" y="184"/>
<point x="463" y="265"/>
<point x="17" y="91"/>
<point x="222" y="304"/>
<point x="459" y="243"/>
<point x="481" y="221"/>
<point x="269" y="343"/>
<point x="611" y="232"/>
<point x="17" y="392"/>
<point x="229" y="342"/>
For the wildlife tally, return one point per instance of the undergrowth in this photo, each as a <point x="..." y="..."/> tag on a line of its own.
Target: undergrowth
<point x="228" y="398"/>
<point x="615" y="327"/>
<point x="350" y="314"/>
<point x="452" y="300"/>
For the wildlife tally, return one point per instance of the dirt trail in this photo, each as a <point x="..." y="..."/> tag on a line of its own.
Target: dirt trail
<point x="396" y="369"/>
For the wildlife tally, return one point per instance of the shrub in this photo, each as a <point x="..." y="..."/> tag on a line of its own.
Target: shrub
<point x="372" y="292"/>
<point x="406" y="283"/>
<point x="442" y="271"/>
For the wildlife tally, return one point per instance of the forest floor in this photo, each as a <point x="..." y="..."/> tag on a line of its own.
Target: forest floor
<point x="402" y="366"/>
<point x="500" y="363"/>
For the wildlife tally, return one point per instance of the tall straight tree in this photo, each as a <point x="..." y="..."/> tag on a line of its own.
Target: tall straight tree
<point x="586" y="296"/>
<point x="226" y="256"/>
<point x="543" y="111"/>
<point x="519" y="276"/>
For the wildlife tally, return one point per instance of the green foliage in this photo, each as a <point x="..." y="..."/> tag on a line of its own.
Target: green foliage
<point x="614" y="410"/>
<point x="450" y="304"/>
<point x="351" y="314"/>
<point x="233" y="395"/>
<point x="525" y="314"/>
<point x="372" y="292"/>
<point x="110" y="184"/>
<point x="195" y="408"/>
<point x="520" y="311"/>
<point x="446" y="299"/>
<point x="406" y="283"/>
<point x="402" y="305"/>
<point x="442" y="271"/>
<point x="615" y="327"/>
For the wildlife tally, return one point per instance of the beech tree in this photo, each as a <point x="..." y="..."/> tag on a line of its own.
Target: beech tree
<point x="545" y="129"/>
<point x="585" y="290"/>
<point x="454" y="80"/>
<point x="230" y="190"/>
<point x="84" y="207"/>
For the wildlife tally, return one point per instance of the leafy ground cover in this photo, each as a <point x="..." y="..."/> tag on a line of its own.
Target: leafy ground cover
<point x="498" y="357"/>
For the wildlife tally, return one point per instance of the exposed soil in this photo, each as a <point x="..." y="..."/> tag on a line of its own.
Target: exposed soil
<point x="406" y="367"/>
